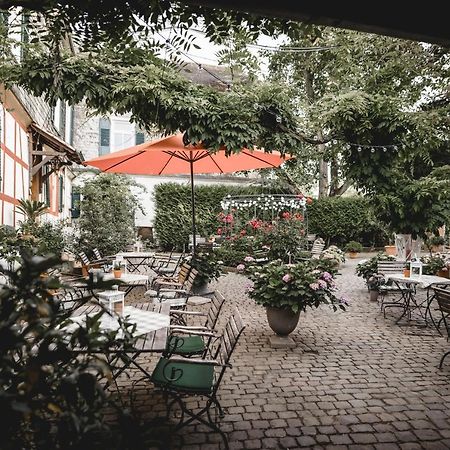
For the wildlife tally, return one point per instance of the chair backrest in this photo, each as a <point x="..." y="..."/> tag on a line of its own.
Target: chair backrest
<point x="386" y="267"/>
<point x="184" y="271"/>
<point x="84" y="258"/>
<point x="217" y="302"/>
<point x="317" y="248"/>
<point x="96" y="253"/>
<point x="189" y="282"/>
<point x="443" y="299"/>
<point x="230" y="336"/>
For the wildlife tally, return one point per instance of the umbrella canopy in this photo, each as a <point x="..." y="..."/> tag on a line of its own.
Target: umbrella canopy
<point x="169" y="156"/>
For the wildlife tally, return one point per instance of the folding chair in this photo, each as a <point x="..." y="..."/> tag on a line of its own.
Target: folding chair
<point x="188" y="344"/>
<point x="402" y="289"/>
<point x="443" y="299"/>
<point x="180" y="378"/>
<point x="317" y="248"/>
<point x="173" y="281"/>
<point x="176" y="297"/>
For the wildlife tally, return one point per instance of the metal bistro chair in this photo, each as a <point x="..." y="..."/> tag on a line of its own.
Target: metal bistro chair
<point x="443" y="299"/>
<point x="188" y="344"/>
<point x="181" y="378"/>
<point x="389" y="267"/>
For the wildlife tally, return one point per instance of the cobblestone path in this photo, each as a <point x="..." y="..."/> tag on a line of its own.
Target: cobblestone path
<point x="355" y="380"/>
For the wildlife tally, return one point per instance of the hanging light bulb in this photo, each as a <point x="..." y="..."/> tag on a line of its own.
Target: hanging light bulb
<point x="372" y="150"/>
<point x="359" y="148"/>
<point x="384" y="149"/>
<point x="395" y="148"/>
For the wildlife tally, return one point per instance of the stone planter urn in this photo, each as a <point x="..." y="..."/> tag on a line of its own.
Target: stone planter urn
<point x="282" y="320"/>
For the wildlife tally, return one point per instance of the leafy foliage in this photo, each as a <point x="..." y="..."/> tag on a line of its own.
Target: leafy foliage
<point x="343" y="219"/>
<point x="51" y="395"/>
<point x="173" y="223"/>
<point x="208" y="266"/>
<point x="296" y="287"/>
<point x="353" y="247"/>
<point x="366" y="269"/>
<point x="107" y="213"/>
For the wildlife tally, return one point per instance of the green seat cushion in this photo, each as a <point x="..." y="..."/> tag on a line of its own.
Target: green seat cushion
<point x="186" y="345"/>
<point x="194" y="377"/>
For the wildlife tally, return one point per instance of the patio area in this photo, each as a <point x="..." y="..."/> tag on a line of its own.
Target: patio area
<point x="355" y="380"/>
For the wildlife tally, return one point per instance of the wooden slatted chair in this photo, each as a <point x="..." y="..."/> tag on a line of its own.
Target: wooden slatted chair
<point x="443" y="299"/>
<point x="317" y="249"/>
<point x="180" y="378"/>
<point x="175" y="281"/>
<point x="187" y="344"/>
<point x="176" y="297"/>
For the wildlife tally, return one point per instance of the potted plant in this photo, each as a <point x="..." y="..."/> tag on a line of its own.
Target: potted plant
<point x="390" y="249"/>
<point x="369" y="267"/>
<point x="353" y="248"/>
<point x="334" y="254"/>
<point x="435" y="244"/>
<point x="436" y="265"/>
<point x="287" y="289"/>
<point x="373" y="284"/>
<point x="208" y="267"/>
<point x="117" y="269"/>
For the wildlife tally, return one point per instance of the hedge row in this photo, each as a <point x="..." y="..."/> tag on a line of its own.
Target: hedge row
<point x="338" y="220"/>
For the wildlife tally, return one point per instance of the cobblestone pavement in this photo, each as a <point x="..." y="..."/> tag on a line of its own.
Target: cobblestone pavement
<point x="355" y="380"/>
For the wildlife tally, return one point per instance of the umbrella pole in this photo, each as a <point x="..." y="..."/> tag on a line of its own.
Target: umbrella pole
<point x="194" y="243"/>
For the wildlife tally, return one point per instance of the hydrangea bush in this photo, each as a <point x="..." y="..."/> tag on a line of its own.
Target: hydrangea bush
<point x="294" y="286"/>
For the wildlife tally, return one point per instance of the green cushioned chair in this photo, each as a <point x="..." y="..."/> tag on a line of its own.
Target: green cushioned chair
<point x="188" y="344"/>
<point x="179" y="377"/>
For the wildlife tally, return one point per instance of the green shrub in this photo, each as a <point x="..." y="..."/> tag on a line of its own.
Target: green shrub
<point x="353" y="247"/>
<point x="342" y="219"/>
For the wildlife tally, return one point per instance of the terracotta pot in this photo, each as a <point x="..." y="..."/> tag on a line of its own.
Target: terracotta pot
<point x="373" y="293"/>
<point x="442" y="273"/>
<point x="406" y="273"/>
<point x="282" y="320"/>
<point x="437" y="248"/>
<point x="117" y="273"/>
<point x="352" y="255"/>
<point x="390" y="250"/>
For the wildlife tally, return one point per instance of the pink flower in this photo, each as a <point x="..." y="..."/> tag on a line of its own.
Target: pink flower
<point x="327" y="276"/>
<point x="344" y="301"/>
<point x="240" y="268"/>
<point x="249" y="259"/>
<point x="314" y="286"/>
<point x="287" y="278"/>
<point x="322" y="284"/>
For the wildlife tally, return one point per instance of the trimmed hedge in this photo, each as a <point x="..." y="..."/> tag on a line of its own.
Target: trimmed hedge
<point x="337" y="220"/>
<point x="342" y="219"/>
<point x="173" y="223"/>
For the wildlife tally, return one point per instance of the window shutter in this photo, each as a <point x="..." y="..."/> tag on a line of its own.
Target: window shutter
<point x="105" y="136"/>
<point x="61" y="194"/>
<point x="75" y="207"/>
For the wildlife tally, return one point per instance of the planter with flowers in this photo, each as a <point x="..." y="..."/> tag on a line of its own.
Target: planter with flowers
<point x="334" y="254"/>
<point x="353" y="248"/>
<point x="436" y="265"/>
<point x="288" y="289"/>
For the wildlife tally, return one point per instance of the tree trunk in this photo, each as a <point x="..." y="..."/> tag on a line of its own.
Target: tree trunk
<point x="323" y="165"/>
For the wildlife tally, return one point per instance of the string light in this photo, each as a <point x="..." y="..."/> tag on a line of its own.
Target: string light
<point x="373" y="148"/>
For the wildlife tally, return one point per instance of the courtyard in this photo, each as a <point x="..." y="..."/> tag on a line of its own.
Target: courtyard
<point x="354" y="380"/>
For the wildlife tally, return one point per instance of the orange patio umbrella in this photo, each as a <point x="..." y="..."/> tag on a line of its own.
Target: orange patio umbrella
<point x="170" y="156"/>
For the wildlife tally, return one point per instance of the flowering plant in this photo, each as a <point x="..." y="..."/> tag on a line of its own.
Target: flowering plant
<point x="334" y="253"/>
<point x="435" y="263"/>
<point x="294" y="286"/>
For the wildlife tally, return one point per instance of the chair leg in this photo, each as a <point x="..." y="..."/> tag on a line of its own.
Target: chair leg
<point x="442" y="359"/>
<point x="198" y="416"/>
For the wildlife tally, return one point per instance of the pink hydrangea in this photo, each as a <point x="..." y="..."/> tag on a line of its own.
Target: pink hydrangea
<point x="240" y="268"/>
<point x="286" y="278"/>
<point x="327" y="276"/>
<point x="249" y="259"/>
<point x="314" y="286"/>
<point x="322" y="284"/>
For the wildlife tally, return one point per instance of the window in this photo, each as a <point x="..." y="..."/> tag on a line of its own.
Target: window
<point x="61" y="193"/>
<point x="105" y="136"/>
<point x="46" y="184"/>
<point x="75" y="207"/>
<point x="122" y="134"/>
<point x="140" y="136"/>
